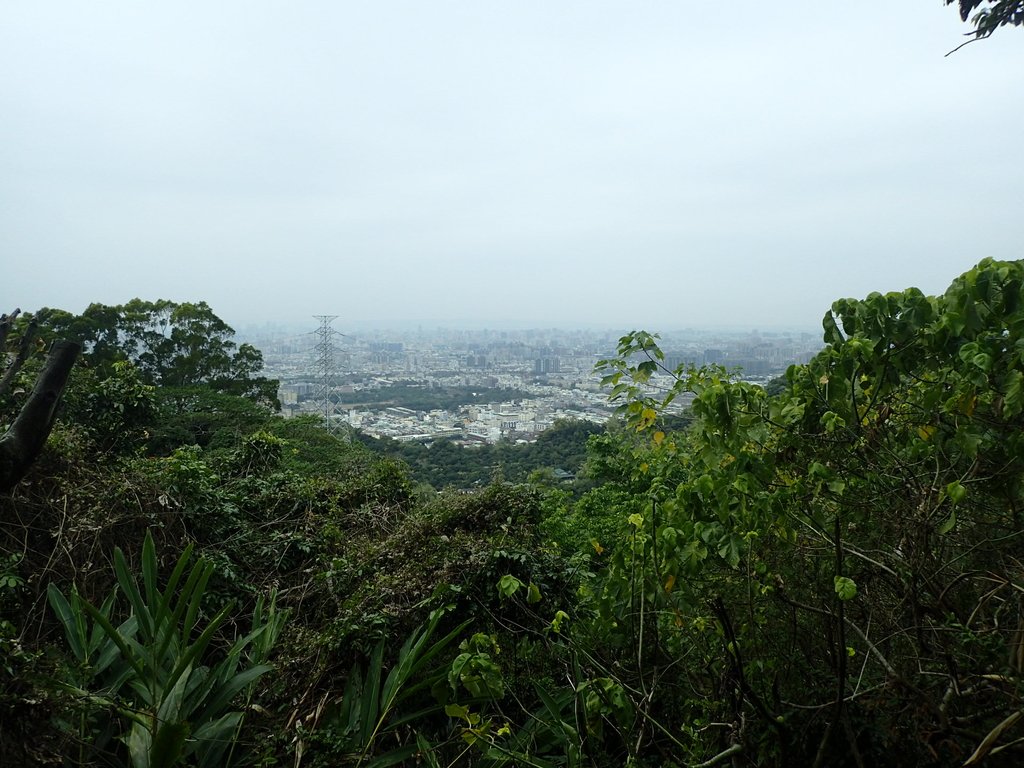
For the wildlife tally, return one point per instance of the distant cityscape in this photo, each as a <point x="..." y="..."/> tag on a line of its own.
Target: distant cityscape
<point x="544" y="375"/>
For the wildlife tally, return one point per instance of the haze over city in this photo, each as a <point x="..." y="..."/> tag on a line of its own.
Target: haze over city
<point x="502" y="165"/>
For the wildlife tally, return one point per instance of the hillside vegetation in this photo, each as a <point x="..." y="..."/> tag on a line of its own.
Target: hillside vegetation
<point x="827" y="575"/>
<point x="444" y="464"/>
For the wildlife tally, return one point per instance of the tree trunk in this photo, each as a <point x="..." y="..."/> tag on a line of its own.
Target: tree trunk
<point x="22" y="443"/>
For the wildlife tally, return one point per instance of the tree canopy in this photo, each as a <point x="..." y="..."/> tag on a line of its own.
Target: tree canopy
<point x="171" y="344"/>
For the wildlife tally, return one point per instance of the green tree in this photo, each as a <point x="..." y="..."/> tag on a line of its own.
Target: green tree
<point x="24" y="436"/>
<point x="846" y="547"/>
<point x="117" y="412"/>
<point x="172" y="345"/>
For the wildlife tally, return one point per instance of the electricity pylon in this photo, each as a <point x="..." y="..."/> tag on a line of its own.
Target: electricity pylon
<point x="324" y="350"/>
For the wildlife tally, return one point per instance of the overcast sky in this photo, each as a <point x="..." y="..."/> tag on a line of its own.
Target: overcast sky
<point x="529" y="163"/>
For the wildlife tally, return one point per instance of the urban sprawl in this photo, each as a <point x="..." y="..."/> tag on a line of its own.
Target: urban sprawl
<point x="547" y="374"/>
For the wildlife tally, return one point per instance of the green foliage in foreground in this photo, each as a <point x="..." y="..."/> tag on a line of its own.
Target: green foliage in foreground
<point x="153" y="676"/>
<point x="834" y="567"/>
<point x="824" y="574"/>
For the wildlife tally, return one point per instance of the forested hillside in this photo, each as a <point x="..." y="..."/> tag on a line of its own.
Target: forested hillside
<point x="444" y="464"/>
<point x="829" y="574"/>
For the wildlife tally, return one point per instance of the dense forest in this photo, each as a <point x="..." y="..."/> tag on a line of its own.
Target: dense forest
<point x="829" y="573"/>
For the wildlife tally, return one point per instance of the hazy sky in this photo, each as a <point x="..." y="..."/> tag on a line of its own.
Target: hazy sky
<point x="612" y="164"/>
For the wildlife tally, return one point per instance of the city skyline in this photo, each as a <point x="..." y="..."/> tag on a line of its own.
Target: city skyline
<point x="423" y="387"/>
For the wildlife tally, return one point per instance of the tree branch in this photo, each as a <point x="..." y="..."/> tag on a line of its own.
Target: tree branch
<point x="22" y="443"/>
<point x="725" y="754"/>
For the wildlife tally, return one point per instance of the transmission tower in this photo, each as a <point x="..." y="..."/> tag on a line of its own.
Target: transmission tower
<point x="324" y="351"/>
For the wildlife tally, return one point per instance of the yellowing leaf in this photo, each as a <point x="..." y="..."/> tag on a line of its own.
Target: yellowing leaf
<point x="670" y="582"/>
<point x="993" y="736"/>
<point x="658" y="437"/>
<point x="926" y="432"/>
<point x="647" y="417"/>
<point x="556" y="623"/>
<point x="597" y="546"/>
<point x="969" y="405"/>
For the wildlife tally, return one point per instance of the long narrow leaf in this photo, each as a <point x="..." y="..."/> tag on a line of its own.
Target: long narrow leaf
<point x="418" y="671"/>
<point x="96" y="637"/>
<point x="411" y="717"/>
<point x="223" y="695"/>
<point x="351" y="702"/>
<point x="250" y="639"/>
<point x="168" y="745"/>
<point x="274" y="620"/>
<point x="554" y="710"/>
<point x="196" y="649"/>
<point x="115" y="636"/>
<point x="195" y="598"/>
<point x="109" y="651"/>
<point x="200" y="683"/>
<point x="394" y="757"/>
<point x="412" y="658"/>
<point x="371" y="697"/>
<point x="62" y="608"/>
<point x="398" y="674"/>
<point x="211" y="739"/>
<point x="131" y="591"/>
<point x="427" y="751"/>
<point x="140" y="743"/>
<point x="217" y="730"/>
<point x="182" y="603"/>
<point x="149" y="582"/>
<point x="179" y="569"/>
<point x="992" y="737"/>
<point x="169" y="710"/>
<point x="164" y="616"/>
<point x="439" y="647"/>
